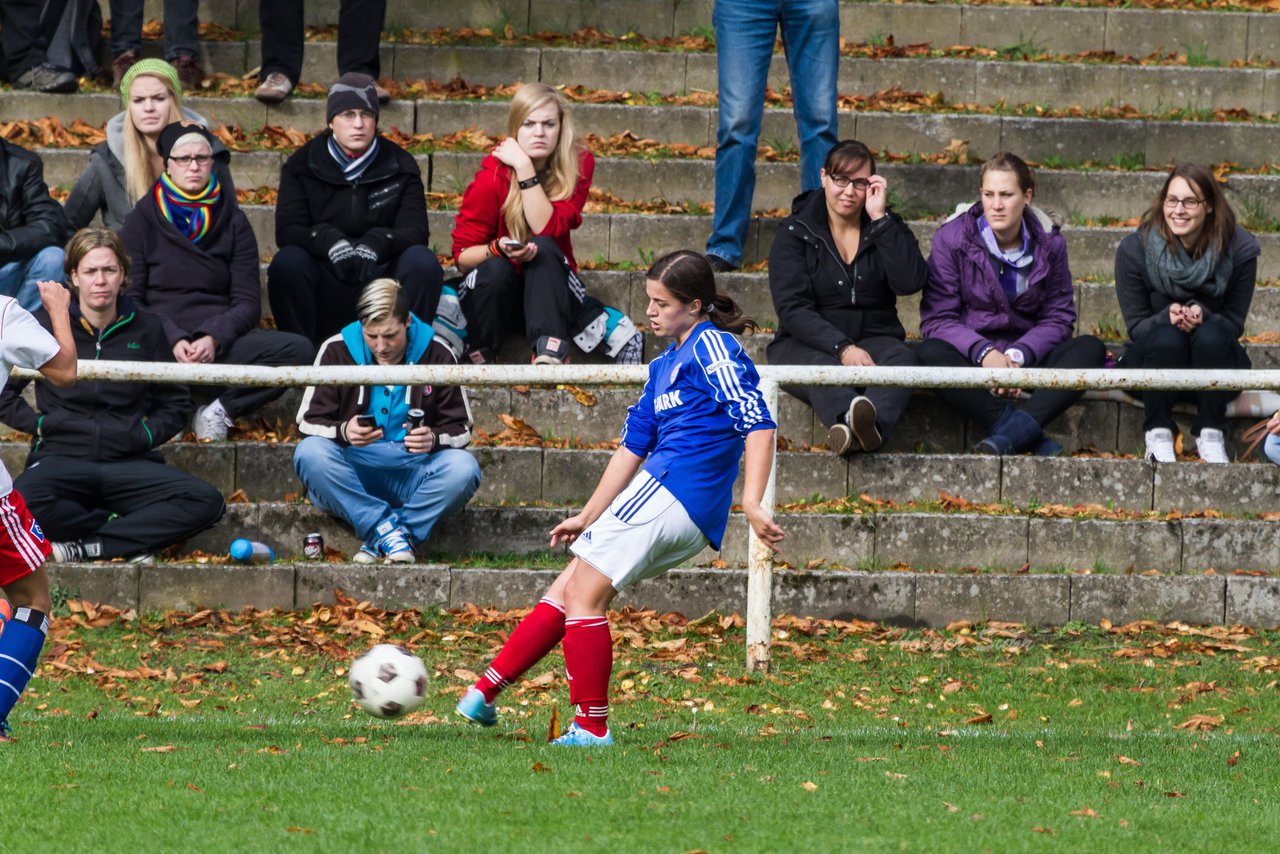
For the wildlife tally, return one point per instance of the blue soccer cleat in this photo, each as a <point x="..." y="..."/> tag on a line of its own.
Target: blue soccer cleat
<point x="575" y="736"/>
<point x="6" y="734"/>
<point x="473" y="707"/>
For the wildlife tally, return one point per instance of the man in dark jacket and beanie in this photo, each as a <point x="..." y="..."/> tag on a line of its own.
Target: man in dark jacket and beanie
<point x="32" y="227"/>
<point x="94" y="478"/>
<point x="195" y="265"/>
<point x="351" y="209"/>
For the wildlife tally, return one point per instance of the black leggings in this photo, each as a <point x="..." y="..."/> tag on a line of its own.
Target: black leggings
<point x="540" y="298"/>
<point x="1043" y="405"/>
<point x="1211" y="345"/>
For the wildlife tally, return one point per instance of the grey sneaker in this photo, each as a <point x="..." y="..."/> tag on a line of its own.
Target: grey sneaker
<point x="212" y="422"/>
<point x="274" y="89"/>
<point x="47" y="78"/>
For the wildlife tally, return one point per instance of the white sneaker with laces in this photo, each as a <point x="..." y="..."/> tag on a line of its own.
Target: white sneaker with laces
<point x="211" y="422"/>
<point x="1160" y="446"/>
<point x="1212" y="446"/>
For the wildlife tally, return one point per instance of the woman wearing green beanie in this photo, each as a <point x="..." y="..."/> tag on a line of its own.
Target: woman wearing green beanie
<point x="126" y="166"/>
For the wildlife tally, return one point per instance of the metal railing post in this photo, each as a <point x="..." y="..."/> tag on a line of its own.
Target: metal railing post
<point x="760" y="564"/>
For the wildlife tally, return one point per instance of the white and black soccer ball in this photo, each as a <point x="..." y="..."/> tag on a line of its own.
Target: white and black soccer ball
<point x="388" y="681"/>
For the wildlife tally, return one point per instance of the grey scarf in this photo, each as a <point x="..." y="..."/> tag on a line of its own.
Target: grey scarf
<point x="1173" y="272"/>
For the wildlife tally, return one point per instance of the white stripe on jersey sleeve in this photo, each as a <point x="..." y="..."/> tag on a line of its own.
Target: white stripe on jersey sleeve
<point x="725" y="364"/>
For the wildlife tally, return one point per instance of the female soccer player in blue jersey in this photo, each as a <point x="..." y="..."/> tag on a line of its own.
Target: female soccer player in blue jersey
<point x="667" y="491"/>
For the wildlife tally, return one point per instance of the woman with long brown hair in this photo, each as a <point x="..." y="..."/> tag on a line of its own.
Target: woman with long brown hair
<point x="1185" y="280"/>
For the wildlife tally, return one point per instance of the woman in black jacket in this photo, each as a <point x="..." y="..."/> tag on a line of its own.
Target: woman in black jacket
<point x="101" y="489"/>
<point x="351" y="209"/>
<point x="195" y="264"/>
<point x="836" y="268"/>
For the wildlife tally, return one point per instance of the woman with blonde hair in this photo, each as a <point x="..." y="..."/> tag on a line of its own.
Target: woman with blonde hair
<point x="511" y="238"/>
<point x="124" y="168"/>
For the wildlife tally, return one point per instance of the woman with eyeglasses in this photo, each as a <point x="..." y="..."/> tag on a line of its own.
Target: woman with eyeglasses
<point x="194" y="263"/>
<point x="1000" y="295"/>
<point x="124" y="168"/>
<point x="1184" y="280"/>
<point x="836" y="268"/>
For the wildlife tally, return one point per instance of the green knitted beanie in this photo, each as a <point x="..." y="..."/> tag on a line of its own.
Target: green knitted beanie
<point x="154" y="67"/>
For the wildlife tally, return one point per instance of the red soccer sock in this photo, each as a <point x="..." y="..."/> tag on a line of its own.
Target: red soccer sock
<point x="588" y="659"/>
<point x="535" y="636"/>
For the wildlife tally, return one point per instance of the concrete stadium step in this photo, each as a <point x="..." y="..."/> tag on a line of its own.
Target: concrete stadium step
<point x="655" y="18"/>
<point x="917" y="190"/>
<point x="1214" y="35"/>
<point x="528" y="475"/>
<point x="1054" y="84"/>
<point x="1069" y="140"/>
<point x="639" y="238"/>
<point x="900" y="598"/>
<point x="923" y="541"/>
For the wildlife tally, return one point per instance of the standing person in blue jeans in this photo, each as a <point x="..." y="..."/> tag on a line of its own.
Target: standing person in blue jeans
<point x="358" y="460"/>
<point x="745" y="34"/>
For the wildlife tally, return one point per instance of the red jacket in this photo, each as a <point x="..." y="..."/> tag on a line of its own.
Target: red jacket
<point x="479" y="220"/>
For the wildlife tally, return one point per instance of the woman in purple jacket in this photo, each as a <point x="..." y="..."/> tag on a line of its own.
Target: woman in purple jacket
<point x="1000" y="295"/>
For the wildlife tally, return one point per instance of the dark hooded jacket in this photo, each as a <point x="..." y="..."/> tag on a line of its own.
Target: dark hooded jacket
<point x="99" y="420"/>
<point x="385" y="209"/>
<point x="822" y="302"/>
<point x="207" y="288"/>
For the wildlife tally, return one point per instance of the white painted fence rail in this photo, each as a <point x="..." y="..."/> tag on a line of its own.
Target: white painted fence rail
<point x="760" y="567"/>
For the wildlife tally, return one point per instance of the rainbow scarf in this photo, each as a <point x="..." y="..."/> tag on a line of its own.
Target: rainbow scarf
<point x="190" y="214"/>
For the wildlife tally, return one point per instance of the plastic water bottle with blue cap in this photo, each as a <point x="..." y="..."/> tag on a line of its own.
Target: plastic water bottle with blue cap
<point x="249" y="551"/>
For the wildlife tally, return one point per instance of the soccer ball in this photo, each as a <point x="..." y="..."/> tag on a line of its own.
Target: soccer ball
<point x="388" y="681"/>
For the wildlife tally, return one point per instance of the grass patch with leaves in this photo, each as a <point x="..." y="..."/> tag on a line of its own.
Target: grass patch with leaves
<point x="239" y="729"/>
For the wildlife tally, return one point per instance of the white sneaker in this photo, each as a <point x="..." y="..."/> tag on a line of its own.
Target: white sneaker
<point x="1160" y="446"/>
<point x="1212" y="446"/>
<point x="211" y="422"/>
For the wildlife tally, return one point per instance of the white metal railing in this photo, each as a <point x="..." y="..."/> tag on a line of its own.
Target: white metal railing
<point x="760" y="562"/>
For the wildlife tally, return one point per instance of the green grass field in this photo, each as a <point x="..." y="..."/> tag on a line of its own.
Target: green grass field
<point x="221" y="732"/>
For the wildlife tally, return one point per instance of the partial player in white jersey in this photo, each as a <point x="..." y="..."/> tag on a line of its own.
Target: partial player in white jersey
<point x="24" y="343"/>
<point x="663" y="498"/>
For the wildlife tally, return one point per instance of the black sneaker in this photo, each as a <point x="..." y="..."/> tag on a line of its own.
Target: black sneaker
<point x="550" y="351"/>
<point x="47" y="78"/>
<point x="861" y="418"/>
<point x="840" y="440"/>
<point x="721" y="265"/>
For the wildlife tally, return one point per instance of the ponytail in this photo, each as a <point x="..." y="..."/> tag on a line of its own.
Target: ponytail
<point x="688" y="276"/>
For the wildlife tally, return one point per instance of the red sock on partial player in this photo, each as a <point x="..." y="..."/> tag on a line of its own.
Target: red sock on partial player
<point x="588" y="659"/>
<point x="535" y="636"/>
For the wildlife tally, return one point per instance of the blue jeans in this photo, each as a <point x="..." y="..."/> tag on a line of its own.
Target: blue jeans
<point x="1272" y="449"/>
<point x="18" y="278"/>
<point x="366" y="485"/>
<point x="745" y="33"/>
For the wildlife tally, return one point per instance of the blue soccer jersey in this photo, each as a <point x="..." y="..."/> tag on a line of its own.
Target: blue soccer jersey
<point x="698" y="405"/>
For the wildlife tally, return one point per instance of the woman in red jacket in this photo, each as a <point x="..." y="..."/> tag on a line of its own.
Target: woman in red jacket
<point x="511" y="239"/>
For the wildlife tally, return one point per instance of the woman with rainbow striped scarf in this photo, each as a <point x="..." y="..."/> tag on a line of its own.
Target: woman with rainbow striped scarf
<point x="195" y="264"/>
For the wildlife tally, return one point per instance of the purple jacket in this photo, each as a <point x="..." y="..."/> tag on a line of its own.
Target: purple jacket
<point x="964" y="305"/>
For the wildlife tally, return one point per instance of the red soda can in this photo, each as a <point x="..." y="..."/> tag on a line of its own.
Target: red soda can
<point x="313" y="547"/>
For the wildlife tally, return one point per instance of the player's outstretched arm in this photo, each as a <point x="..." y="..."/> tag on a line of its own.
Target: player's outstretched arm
<point x="622" y="467"/>
<point x="759" y="459"/>
<point x="61" y="369"/>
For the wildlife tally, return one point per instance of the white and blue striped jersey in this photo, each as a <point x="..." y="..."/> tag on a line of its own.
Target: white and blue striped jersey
<point x="691" y="422"/>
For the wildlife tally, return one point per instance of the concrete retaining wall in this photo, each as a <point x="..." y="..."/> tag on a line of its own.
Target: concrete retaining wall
<point x="901" y="598"/>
